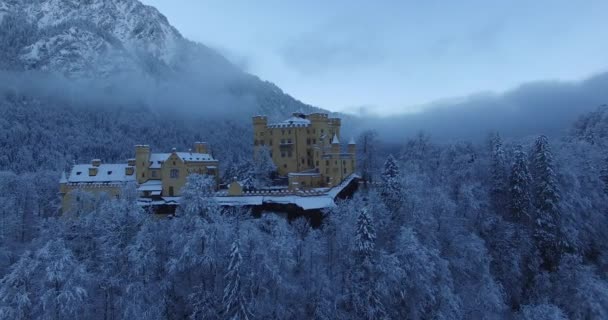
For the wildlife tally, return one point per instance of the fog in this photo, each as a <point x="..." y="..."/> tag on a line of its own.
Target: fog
<point x="547" y="107"/>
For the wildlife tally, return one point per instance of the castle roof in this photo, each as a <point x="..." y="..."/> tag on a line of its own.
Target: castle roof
<point x="291" y="122"/>
<point x="335" y="139"/>
<point x="157" y="159"/>
<point x="108" y="172"/>
<point x="351" y="141"/>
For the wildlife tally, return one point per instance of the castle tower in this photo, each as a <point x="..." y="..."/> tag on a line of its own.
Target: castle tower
<point x="201" y="147"/>
<point x="63" y="183"/>
<point x="335" y="144"/>
<point x="352" y="146"/>
<point x="142" y="162"/>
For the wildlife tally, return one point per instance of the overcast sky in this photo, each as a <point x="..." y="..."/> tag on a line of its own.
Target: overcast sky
<point x="388" y="57"/>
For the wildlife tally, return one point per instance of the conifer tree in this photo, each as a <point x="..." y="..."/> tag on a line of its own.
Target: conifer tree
<point x="366" y="298"/>
<point x="520" y="202"/>
<point x="498" y="189"/>
<point x="16" y="289"/>
<point x="547" y="219"/>
<point x="390" y="190"/>
<point x="604" y="176"/>
<point x="233" y="300"/>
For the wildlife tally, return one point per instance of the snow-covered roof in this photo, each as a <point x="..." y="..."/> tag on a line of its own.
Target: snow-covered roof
<point x="351" y="141"/>
<point x="106" y="172"/>
<point x="335" y="139"/>
<point x="151" y="185"/>
<point x="157" y="159"/>
<point x="291" y="122"/>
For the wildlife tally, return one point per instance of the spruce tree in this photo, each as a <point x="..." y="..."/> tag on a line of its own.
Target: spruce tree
<point x="547" y="219"/>
<point x="366" y="298"/>
<point x="520" y="202"/>
<point x="390" y="189"/>
<point x="233" y="300"/>
<point x="498" y="190"/>
<point x="604" y="176"/>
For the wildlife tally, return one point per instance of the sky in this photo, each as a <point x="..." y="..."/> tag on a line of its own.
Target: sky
<point x="393" y="57"/>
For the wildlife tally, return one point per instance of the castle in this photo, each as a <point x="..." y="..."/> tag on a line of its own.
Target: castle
<point x="156" y="175"/>
<point x="306" y="148"/>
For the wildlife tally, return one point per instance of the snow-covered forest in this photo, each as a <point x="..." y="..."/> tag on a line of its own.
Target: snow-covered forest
<point x="498" y="226"/>
<point x="505" y="228"/>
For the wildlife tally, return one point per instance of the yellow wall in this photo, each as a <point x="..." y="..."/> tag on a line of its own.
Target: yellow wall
<point x="308" y="148"/>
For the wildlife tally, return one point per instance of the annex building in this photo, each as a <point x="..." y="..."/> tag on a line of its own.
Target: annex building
<point x="155" y="175"/>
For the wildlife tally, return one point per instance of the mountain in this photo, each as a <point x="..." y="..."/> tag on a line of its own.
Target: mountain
<point x="114" y="40"/>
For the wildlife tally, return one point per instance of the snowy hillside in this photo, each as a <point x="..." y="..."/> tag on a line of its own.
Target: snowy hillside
<point x="109" y="38"/>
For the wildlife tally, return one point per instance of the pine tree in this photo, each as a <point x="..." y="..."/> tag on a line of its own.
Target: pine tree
<point x="233" y="300"/>
<point x="604" y="176"/>
<point x="263" y="168"/>
<point x="391" y="189"/>
<point x="520" y="202"/>
<point x="366" y="297"/>
<point x="547" y="219"/>
<point x="498" y="189"/>
<point x="197" y="194"/>
<point x="16" y="289"/>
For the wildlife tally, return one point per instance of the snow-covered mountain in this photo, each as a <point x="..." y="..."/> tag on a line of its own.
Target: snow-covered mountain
<point x="105" y="38"/>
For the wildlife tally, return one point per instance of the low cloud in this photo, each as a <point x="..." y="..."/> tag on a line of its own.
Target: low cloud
<point x="536" y="108"/>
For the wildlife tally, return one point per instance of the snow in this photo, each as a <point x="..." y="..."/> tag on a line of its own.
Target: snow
<point x="158" y="158"/>
<point x="105" y="173"/>
<point x="291" y="122"/>
<point x="352" y="141"/>
<point x="151" y="185"/>
<point x="335" y="140"/>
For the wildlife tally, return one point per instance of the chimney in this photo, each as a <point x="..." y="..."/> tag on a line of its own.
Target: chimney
<point x="93" y="171"/>
<point x="201" y="147"/>
<point x="129" y="171"/>
<point x="96" y="162"/>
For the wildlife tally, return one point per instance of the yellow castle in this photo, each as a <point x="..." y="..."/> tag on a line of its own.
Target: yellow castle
<point x="306" y="148"/>
<point x="156" y="175"/>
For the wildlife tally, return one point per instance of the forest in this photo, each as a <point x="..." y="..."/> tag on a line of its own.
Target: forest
<point x="503" y="228"/>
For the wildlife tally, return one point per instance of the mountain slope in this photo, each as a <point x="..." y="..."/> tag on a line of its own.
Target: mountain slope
<point x="124" y="39"/>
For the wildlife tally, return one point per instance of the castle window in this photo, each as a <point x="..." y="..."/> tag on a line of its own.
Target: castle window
<point x="289" y="154"/>
<point x="283" y="132"/>
<point x="336" y="162"/>
<point x="345" y="170"/>
<point x="308" y="131"/>
<point x="322" y="130"/>
<point x="282" y="154"/>
<point x="173" y="162"/>
<point x="314" y="131"/>
<point x="288" y="140"/>
<point x="314" y="141"/>
<point x="270" y="142"/>
<point x="153" y="173"/>
<point x="302" y="160"/>
<point x="327" y="162"/>
<point x="289" y="132"/>
<point x="285" y="166"/>
<point x="174" y="173"/>
<point x="143" y="174"/>
<point x="308" y="141"/>
<point x="78" y="173"/>
<point x="317" y="163"/>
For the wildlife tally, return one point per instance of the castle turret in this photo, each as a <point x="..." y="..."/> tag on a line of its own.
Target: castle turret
<point x="201" y="147"/>
<point x="63" y="184"/>
<point x="335" y="144"/>
<point x="142" y="162"/>
<point x="352" y="146"/>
